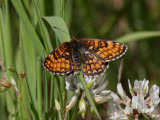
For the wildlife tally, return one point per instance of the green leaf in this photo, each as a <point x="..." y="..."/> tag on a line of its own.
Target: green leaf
<point x="61" y="30"/>
<point x="138" y="36"/>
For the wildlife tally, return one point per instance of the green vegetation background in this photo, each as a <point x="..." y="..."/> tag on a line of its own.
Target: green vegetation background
<point x="26" y="38"/>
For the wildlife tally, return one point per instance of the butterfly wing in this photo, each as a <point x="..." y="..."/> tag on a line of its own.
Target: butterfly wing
<point x="59" y="61"/>
<point x="92" y="66"/>
<point x="104" y="50"/>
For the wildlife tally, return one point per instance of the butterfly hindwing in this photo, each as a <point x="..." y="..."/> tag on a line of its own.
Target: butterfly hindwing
<point x="105" y="50"/>
<point x="59" y="60"/>
<point x="92" y="66"/>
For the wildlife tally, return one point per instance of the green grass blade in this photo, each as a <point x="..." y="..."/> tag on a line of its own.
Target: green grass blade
<point x="52" y="97"/>
<point x="2" y="97"/>
<point x="61" y="31"/>
<point x="8" y="43"/>
<point x="68" y="11"/>
<point x="42" y="6"/>
<point x="43" y="29"/>
<point x="56" y="7"/>
<point x="30" y="66"/>
<point x="3" y="107"/>
<point x="9" y="59"/>
<point x="1" y="35"/>
<point x="22" y="86"/>
<point x="46" y="95"/>
<point x="39" y="88"/>
<point x="88" y="94"/>
<point x="138" y="36"/>
<point x="28" y="27"/>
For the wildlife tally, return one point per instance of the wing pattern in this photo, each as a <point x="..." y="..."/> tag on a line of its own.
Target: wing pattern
<point x="105" y="50"/>
<point x="59" y="60"/>
<point x="92" y="66"/>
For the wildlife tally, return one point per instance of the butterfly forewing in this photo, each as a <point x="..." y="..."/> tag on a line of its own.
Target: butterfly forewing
<point x="105" y="50"/>
<point x="59" y="60"/>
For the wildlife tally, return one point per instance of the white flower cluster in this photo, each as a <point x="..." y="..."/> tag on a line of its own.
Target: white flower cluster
<point x="97" y="89"/>
<point x="139" y="105"/>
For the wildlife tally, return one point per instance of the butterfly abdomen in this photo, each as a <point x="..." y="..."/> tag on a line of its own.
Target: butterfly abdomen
<point x="76" y="60"/>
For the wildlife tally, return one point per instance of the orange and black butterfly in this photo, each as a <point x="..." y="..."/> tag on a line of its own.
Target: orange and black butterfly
<point x="95" y="54"/>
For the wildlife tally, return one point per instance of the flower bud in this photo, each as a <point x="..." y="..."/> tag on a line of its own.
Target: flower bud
<point x="101" y="99"/>
<point x="12" y="69"/>
<point x="71" y="103"/>
<point x="57" y="105"/>
<point x="23" y="74"/>
<point x="5" y="83"/>
<point x="89" y="85"/>
<point x="82" y="107"/>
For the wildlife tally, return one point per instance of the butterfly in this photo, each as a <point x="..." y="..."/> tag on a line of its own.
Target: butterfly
<point x="94" y="54"/>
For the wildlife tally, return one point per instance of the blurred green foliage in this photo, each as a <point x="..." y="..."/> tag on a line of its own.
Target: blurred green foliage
<point x="26" y="38"/>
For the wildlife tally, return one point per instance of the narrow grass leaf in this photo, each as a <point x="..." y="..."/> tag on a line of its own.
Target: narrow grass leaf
<point x="39" y="87"/>
<point x="1" y="36"/>
<point x="28" y="27"/>
<point x="30" y="67"/>
<point x="68" y="11"/>
<point x="46" y="95"/>
<point x="3" y="107"/>
<point x="9" y="59"/>
<point x="24" y="109"/>
<point x="88" y="94"/>
<point x="43" y="29"/>
<point x="2" y="97"/>
<point x="52" y="98"/>
<point x="138" y="36"/>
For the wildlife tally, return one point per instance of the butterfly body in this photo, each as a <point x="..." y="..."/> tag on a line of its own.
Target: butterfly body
<point x="95" y="54"/>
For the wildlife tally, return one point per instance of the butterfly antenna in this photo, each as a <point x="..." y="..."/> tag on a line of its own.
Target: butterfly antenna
<point x="61" y="30"/>
<point x="81" y="29"/>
